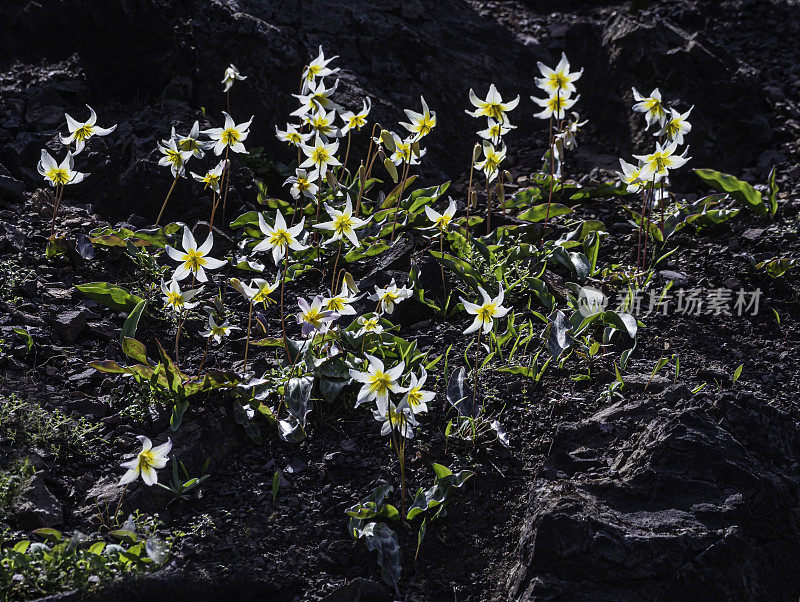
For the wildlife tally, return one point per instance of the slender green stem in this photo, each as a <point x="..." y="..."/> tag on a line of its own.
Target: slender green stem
<point x="203" y="360"/>
<point x="283" y="320"/>
<point x="227" y="183"/>
<point x="336" y="265"/>
<point x="164" y="206"/>
<point x="477" y="366"/>
<point x="347" y="152"/>
<point x="247" y="343"/>
<point x="59" y="192"/>
<point x="406" y="165"/>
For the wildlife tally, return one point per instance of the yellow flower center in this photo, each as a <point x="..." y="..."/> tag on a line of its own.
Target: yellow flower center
<point x="343" y="224"/>
<point x="335" y="304"/>
<point x="414" y="397"/>
<point x="174" y="299"/>
<point x="380" y="382"/>
<point x="294" y="137"/>
<point x="231" y="136"/>
<point x="313" y="316"/>
<point x="219" y="331"/>
<point x="320" y="156"/>
<point x="194" y="259"/>
<point x="84" y="132"/>
<point x="145" y="459"/>
<point x="493" y="110"/>
<point x="426" y="125"/>
<point x="486" y="313"/>
<point x="174" y="157"/>
<point x="280" y="238"/>
<point x="58" y="175"/>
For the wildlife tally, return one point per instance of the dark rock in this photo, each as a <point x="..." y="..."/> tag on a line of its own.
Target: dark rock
<point x="37" y="507"/>
<point x="360" y="590"/>
<point x="10" y="187"/>
<point x="69" y="324"/>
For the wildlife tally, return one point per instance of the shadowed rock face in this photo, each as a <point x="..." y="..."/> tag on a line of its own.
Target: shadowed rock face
<point x="656" y="502"/>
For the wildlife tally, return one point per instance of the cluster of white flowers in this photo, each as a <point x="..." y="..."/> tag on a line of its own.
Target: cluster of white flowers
<point x="498" y="125"/>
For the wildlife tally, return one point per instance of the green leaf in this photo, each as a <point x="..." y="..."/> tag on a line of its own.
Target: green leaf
<point x="379" y="537"/>
<point x="177" y="414"/>
<point x="276" y="483"/>
<point x="132" y="321"/>
<point x="135" y="350"/>
<point x="622" y="321"/>
<point x="49" y="534"/>
<point x="739" y="190"/>
<point x="109" y="367"/>
<point x="423" y="528"/>
<point x="25" y="336"/>
<point x="110" y="295"/>
<point x="538" y="213"/>
<point x="737" y="373"/>
<point x="125" y="535"/>
<point x="772" y="196"/>
<point x="441" y="471"/>
<point x="298" y="397"/>
<point x="391" y="169"/>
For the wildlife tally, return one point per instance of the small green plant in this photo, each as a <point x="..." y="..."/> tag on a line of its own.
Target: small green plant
<point x="182" y="484"/>
<point x="12" y="481"/>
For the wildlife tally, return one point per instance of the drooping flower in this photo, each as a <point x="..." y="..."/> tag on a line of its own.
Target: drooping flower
<point x="212" y="177"/>
<point x="493" y="106"/>
<point x="231" y="136"/>
<point x="322" y="122"/>
<point x="279" y="238"/>
<point x="651" y="106"/>
<point x="146" y="462"/>
<point x="421" y="123"/>
<point x="630" y="176"/>
<point x="555" y="106"/>
<point x="656" y="165"/>
<point x="343" y="223"/>
<point x="495" y="130"/>
<point x="321" y="155"/>
<point x="313" y="317"/>
<point x="492" y="158"/>
<point x="485" y="313"/>
<point x="318" y="68"/>
<point x="567" y="137"/>
<point x="231" y="75"/>
<point x="217" y="332"/>
<point x="371" y="324"/>
<point x="176" y="300"/>
<point x="398" y="417"/>
<point x="316" y="96"/>
<point x="558" y="80"/>
<point x="292" y="135"/>
<point x="377" y="382"/>
<point x="194" y="260"/>
<point x="356" y="121"/>
<point x="441" y="220"/>
<point x="79" y="133"/>
<point x="416" y="397"/>
<point x="174" y="157"/>
<point x="676" y="126"/>
<point x="303" y="184"/>
<point x="390" y="296"/>
<point x="404" y="151"/>
<point x="342" y="303"/>
<point x="191" y="141"/>
<point x="59" y="175"/>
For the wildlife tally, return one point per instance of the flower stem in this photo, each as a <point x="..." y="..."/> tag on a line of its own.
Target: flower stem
<point x="227" y="183"/>
<point x="335" y="265"/>
<point x="203" y="360"/>
<point x="400" y="196"/>
<point x="56" y="202"/>
<point x="477" y="352"/>
<point x="488" y="207"/>
<point x="283" y="320"/>
<point x="247" y="343"/>
<point x="214" y="204"/>
<point x="164" y="206"/>
<point x="469" y="187"/>
<point x="347" y="152"/>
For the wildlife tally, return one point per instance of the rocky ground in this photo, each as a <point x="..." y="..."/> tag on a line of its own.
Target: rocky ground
<point x="671" y="491"/>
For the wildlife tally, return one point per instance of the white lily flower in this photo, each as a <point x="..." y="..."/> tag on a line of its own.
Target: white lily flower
<point x="404" y="151"/>
<point x="315" y="97"/>
<point x="651" y="106"/>
<point x="441" y="220"/>
<point x="657" y="164"/>
<point x="341" y="303"/>
<point x="322" y="123"/>
<point x="676" y="126"/>
<point x="399" y="417"/>
<point x="356" y="121"/>
<point x="217" y="332"/>
<point x="554" y="106"/>
<point x="212" y="177"/>
<point x="313" y="317"/>
<point x="558" y="80"/>
<point x="292" y="135"/>
<point x="303" y="183"/>
<point x="493" y="106"/>
<point x="191" y="141"/>
<point x="194" y="259"/>
<point x="421" y="123"/>
<point x="630" y="176"/>
<point x="174" y="157"/>
<point x="146" y="462"/>
<point x="318" y="68"/>
<point x="79" y="133"/>
<point x="231" y="75"/>
<point x="321" y="155"/>
<point x="496" y="130"/>
<point x="279" y="238"/>
<point x="175" y="299"/>
<point x="230" y="136"/>
<point x="486" y="312"/>
<point x="492" y="158"/>
<point x="377" y="382"/>
<point x="390" y="296"/>
<point x="567" y="138"/>
<point x="59" y="175"/>
<point x="371" y="324"/>
<point x="416" y="397"/>
<point x="343" y="223"/>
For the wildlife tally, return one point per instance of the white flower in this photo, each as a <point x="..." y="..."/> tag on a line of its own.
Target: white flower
<point x="303" y="183"/>
<point x="416" y="398"/>
<point x="554" y="106"/>
<point x="390" y="296"/>
<point x="318" y="68"/>
<point x="313" y="317"/>
<point x="258" y="291"/>
<point x="421" y="123"/>
<point x="341" y="303"/>
<point x="558" y="80"/>
<point x="279" y="238"/>
<point x="343" y="223"/>
<point x="651" y="106"/>
<point x="356" y="121"/>
<point x="493" y="106"/>
<point x="174" y="157"/>
<point x="322" y="123"/>
<point x="441" y="220"/>
<point x="321" y="155"/>
<point x="292" y="135"/>
<point x="190" y="142"/>
<point x="231" y="75"/>
<point x="177" y="300"/>
<point x="630" y="176"/>
<point x="146" y="462"/>
<point x="231" y="135"/>
<point x="656" y="165"/>
<point x="371" y="324"/>
<point x="317" y="96"/>
<point x="81" y="132"/>
<point x="194" y="259"/>
<point x="492" y="158"/>
<point x="400" y="417"/>
<point x="496" y="130"/>
<point x="217" y="331"/>
<point x="59" y="175"/>
<point x="212" y="177"/>
<point x="377" y="383"/>
<point x="676" y="126"/>
<point x="404" y="151"/>
<point x="486" y="312"/>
